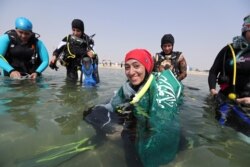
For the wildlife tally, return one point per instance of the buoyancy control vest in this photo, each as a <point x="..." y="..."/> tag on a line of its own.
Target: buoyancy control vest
<point x="168" y="62"/>
<point x="242" y="75"/>
<point x="75" y="49"/>
<point x="22" y="57"/>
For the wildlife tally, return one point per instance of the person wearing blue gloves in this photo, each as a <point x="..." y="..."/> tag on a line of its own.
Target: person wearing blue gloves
<point x="21" y="52"/>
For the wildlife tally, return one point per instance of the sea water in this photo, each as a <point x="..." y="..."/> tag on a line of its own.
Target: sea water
<point x="41" y="124"/>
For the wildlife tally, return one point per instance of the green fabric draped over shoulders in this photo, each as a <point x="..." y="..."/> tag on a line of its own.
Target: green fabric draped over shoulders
<point x="157" y="113"/>
<point x="157" y="118"/>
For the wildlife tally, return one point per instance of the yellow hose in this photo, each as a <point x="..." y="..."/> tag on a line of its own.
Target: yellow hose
<point x="143" y="90"/>
<point x="232" y="95"/>
<point x="71" y="54"/>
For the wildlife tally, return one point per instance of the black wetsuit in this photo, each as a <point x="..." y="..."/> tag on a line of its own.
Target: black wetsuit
<point x="171" y="58"/>
<point x="222" y="70"/>
<point x="78" y="48"/>
<point x="22" y="56"/>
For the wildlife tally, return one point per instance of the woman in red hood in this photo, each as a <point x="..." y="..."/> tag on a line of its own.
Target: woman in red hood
<point x="148" y="104"/>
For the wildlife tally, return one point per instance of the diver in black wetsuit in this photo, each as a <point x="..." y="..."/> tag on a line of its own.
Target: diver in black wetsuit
<point x="72" y="49"/>
<point x="231" y="70"/>
<point x="222" y="69"/>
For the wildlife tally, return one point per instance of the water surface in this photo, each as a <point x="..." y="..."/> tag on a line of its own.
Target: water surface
<point x="37" y="117"/>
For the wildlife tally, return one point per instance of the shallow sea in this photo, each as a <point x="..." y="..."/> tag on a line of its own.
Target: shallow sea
<point x="41" y="125"/>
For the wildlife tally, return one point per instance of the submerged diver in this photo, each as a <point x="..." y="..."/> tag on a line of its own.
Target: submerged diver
<point x="21" y="52"/>
<point x="74" y="52"/>
<point x="147" y="107"/>
<point x="169" y="59"/>
<point x="231" y="69"/>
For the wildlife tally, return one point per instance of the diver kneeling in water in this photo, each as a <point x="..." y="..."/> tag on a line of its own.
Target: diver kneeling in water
<point x="21" y="52"/>
<point x="147" y="107"/>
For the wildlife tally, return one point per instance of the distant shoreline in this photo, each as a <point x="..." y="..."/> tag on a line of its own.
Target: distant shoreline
<point x="197" y="73"/>
<point x="121" y="68"/>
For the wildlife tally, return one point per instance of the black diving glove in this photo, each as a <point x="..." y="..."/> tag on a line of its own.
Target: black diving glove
<point x="220" y="98"/>
<point x="53" y="66"/>
<point x="101" y="119"/>
<point x="124" y="108"/>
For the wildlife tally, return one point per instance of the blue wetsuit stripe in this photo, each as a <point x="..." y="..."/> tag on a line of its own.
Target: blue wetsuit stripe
<point x="240" y="113"/>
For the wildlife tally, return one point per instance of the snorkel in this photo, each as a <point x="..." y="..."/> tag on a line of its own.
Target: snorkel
<point x="142" y="91"/>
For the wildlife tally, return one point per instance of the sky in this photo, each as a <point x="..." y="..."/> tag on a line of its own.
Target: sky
<point x="200" y="27"/>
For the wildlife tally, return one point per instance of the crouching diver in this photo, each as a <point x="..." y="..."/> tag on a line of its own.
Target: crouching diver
<point x="232" y="67"/>
<point x="21" y="52"/>
<point x="74" y="52"/>
<point x="147" y="107"/>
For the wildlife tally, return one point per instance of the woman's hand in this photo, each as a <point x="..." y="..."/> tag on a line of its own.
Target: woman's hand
<point x="53" y="59"/>
<point x="15" y="75"/>
<point x="244" y="100"/>
<point x="33" y="75"/>
<point x="213" y="92"/>
<point x="91" y="53"/>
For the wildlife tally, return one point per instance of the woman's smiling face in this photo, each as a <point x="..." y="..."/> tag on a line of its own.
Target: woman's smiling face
<point x="135" y="72"/>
